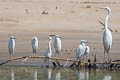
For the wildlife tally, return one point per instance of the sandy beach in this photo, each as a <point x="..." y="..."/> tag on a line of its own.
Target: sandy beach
<point x="74" y="20"/>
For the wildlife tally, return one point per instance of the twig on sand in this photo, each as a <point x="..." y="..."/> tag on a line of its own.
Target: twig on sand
<point x="104" y="25"/>
<point x="27" y="11"/>
<point x="8" y="20"/>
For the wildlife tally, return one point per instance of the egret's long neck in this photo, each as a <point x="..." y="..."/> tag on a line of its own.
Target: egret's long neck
<point x="83" y="44"/>
<point x="107" y="18"/>
<point x="49" y="46"/>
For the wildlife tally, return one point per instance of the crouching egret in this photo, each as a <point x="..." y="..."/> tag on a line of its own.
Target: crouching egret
<point x="80" y="51"/>
<point x="34" y="44"/>
<point x="48" y="52"/>
<point x="57" y="44"/>
<point x="107" y="35"/>
<point x="11" y="45"/>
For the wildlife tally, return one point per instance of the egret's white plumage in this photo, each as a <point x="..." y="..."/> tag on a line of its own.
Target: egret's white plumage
<point x="80" y="50"/>
<point x="107" y="35"/>
<point x="48" y="52"/>
<point x="34" y="44"/>
<point x="57" y="44"/>
<point x="11" y="45"/>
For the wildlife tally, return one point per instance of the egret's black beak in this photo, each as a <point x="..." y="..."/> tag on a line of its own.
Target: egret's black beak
<point x="101" y="8"/>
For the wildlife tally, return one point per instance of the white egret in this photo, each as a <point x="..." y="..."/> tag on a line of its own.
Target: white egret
<point x="11" y="45"/>
<point x="48" y="52"/>
<point x="57" y="44"/>
<point x="34" y="44"/>
<point x="87" y="50"/>
<point x="107" y="35"/>
<point x="80" y="51"/>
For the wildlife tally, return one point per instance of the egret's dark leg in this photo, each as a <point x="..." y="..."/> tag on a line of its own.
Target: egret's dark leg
<point x="58" y="54"/>
<point x="108" y="57"/>
<point x="55" y="53"/>
<point x="48" y="62"/>
<point x="104" y="56"/>
<point x="83" y="58"/>
<point x="10" y="57"/>
<point x="86" y="58"/>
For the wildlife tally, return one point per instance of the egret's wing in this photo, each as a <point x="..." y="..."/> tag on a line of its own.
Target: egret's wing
<point x="79" y="52"/>
<point x="36" y="43"/>
<point x="57" y="44"/>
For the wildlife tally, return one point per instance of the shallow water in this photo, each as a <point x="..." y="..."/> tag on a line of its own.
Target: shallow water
<point x="38" y="73"/>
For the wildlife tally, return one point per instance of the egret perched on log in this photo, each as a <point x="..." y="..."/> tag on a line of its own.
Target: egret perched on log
<point x="11" y="45"/>
<point x="57" y="44"/>
<point x="34" y="44"/>
<point x="107" y="35"/>
<point x="48" y="52"/>
<point x="80" y="51"/>
<point x="87" y="50"/>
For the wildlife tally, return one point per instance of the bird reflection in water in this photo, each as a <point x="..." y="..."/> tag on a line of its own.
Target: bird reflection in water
<point x="82" y="75"/>
<point x="58" y="75"/>
<point x="11" y="75"/>
<point x="107" y="77"/>
<point x="35" y="75"/>
<point x="48" y="73"/>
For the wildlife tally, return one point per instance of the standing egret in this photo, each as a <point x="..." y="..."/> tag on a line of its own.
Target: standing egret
<point x="11" y="45"/>
<point x="34" y="44"/>
<point x="80" y="50"/>
<point x="87" y="50"/>
<point x="107" y="35"/>
<point x="57" y="44"/>
<point x="48" y="52"/>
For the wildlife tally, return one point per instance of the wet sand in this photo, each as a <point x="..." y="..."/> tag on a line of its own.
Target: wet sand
<point x="73" y="20"/>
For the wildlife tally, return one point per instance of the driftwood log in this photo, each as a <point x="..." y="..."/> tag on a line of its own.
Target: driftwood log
<point x="53" y="58"/>
<point x="24" y="57"/>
